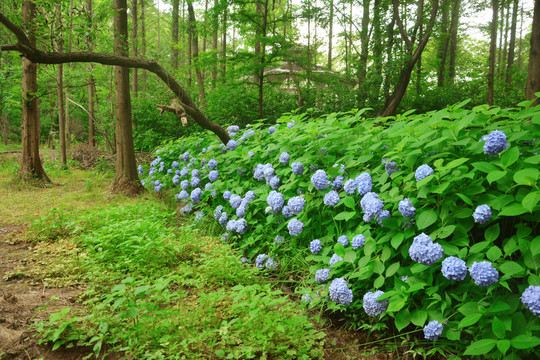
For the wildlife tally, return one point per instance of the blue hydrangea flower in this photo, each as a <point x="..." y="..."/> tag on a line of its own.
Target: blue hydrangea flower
<point x="158" y="187"/>
<point x="358" y="241"/>
<point x="175" y="164"/>
<point x="141" y="170"/>
<point x="482" y="214"/>
<point x="188" y="209"/>
<point x="218" y="211"/>
<point x="199" y="216"/>
<point x="295" y="227"/>
<point x="339" y="292"/>
<point x="423" y="171"/>
<point x="177" y="172"/>
<point x="454" y="268"/>
<point x="433" y="330"/>
<point x="176" y="180"/>
<point x="296" y="204"/>
<point x="284" y="158"/>
<point x="372" y="306"/>
<point x="291" y="124"/>
<point x="531" y="299"/>
<point x="278" y="240"/>
<point x="225" y="237"/>
<point x="338" y="182"/>
<point x="195" y="173"/>
<point x="321" y="275"/>
<point x="223" y="219"/>
<point x="184" y="184"/>
<point x="334" y="259"/>
<point x="184" y="172"/>
<point x="235" y="201"/>
<point x="306" y="298"/>
<point x="142" y="182"/>
<point x="495" y="142"/>
<point x="250" y="195"/>
<point x="245" y="260"/>
<point x="271" y="129"/>
<point x="343" y="240"/>
<point x="185" y="156"/>
<point x="424" y="251"/>
<point x="275" y="200"/>
<point x="251" y="153"/>
<point x="390" y="167"/>
<point x="383" y="214"/>
<point x="286" y="211"/>
<point x="213" y="175"/>
<point x="315" y="246"/>
<point x="227" y="195"/>
<point x="274" y="182"/>
<point x="212" y="164"/>
<point x="371" y="206"/>
<point x="232" y="145"/>
<point x="331" y="198"/>
<point x="151" y="172"/>
<point x="241" y="211"/>
<point x="406" y="208"/>
<point x="195" y="181"/>
<point x="208" y="187"/>
<point x="214" y="193"/>
<point x="155" y="162"/>
<point x="364" y="183"/>
<point x="297" y="168"/>
<point x="183" y="195"/>
<point x="483" y="273"/>
<point x="271" y="264"/>
<point x="169" y="171"/>
<point x="196" y="195"/>
<point x="260" y="260"/>
<point x="350" y="186"/>
<point x="320" y="180"/>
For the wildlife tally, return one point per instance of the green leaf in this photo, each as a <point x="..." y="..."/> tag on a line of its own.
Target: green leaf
<point x="476" y="248"/>
<point x="397" y="240"/>
<point x="378" y="282"/>
<point x="527" y="176"/>
<point x="419" y="317"/>
<point x="498" y="328"/>
<point x="378" y="267"/>
<point x="503" y="345"/>
<point x="535" y="246"/>
<point x="455" y="163"/>
<point x="396" y="305"/>
<point x="495" y="175"/>
<point x="445" y="231"/>
<point x="510" y="156"/>
<point x="492" y="232"/>
<point x="530" y="200"/>
<point x="402" y="319"/>
<point x="525" y="341"/>
<point x="494" y="253"/>
<point x="480" y="347"/>
<point x="513" y="209"/>
<point x="345" y="215"/>
<point x="350" y="256"/>
<point x="426" y="218"/>
<point x="391" y="270"/>
<point x="349" y="202"/>
<point x="469" y="320"/>
<point x="485" y="167"/>
<point x="511" y="268"/>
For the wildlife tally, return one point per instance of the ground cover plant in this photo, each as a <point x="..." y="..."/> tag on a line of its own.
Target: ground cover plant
<point x="426" y="224"/>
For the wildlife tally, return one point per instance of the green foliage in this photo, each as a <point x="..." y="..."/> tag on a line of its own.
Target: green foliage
<point x="464" y="178"/>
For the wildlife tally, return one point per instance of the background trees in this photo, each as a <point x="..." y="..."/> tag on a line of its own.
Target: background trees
<point x="241" y="60"/>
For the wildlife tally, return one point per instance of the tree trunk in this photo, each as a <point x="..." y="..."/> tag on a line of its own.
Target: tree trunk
<point x="91" y="81"/>
<point x="454" y="26"/>
<point x="492" y="50"/>
<point x="60" y="93"/>
<point x="512" y="44"/>
<point x="364" y="35"/>
<point x="378" y="46"/>
<point x="195" y="47"/>
<point x="31" y="166"/>
<point x="126" y="170"/>
<point x="533" y="78"/>
<point x="143" y="40"/>
<point x="135" y="47"/>
<point x="501" y="32"/>
<point x="330" y="34"/>
<point x="262" y="50"/>
<point x="444" y="40"/>
<point x="224" y="47"/>
<point x="174" y="34"/>
<point x="215" y="45"/>
<point x="405" y="73"/>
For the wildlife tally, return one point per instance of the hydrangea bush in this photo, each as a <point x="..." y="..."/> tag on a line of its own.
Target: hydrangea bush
<point x="441" y="211"/>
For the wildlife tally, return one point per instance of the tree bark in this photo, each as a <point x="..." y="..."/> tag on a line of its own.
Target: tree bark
<point x="444" y="40"/>
<point x="195" y="47"/>
<point x="405" y="73"/>
<point x="512" y="43"/>
<point x="60" y="93"/>
<point x="91" y="81"/>
<point x="143" y="39"/>
<point x="454" y="26"/>
<point x="215" y="44"/>
<point x="533" y="77"/>
<point x="364" y="35"/>
<point x="262" y="50"/>
<point x="378" y="48"/>
<point x="31" y="166"/>
<point x="224" y="47"/>
<point x="330" y="34"/>
<point x="135" y="46"/>
<point x="492" y="51"/>
<point x="44" y="57"/>
<point x="174" y="34"/>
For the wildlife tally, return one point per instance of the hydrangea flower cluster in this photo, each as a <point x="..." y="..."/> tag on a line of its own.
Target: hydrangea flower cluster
<point x="295" y="227"/>
<point x="433" y="330"/>
<point x="423" y="171"/>
<point x="371" y="206"/>
<point x="141" y="170"/>
<point x="321" y="275"/>
<point x="213" y="175"/>
<point x="271" y="129"/>
<point x="195" y="181"/>
<point x="383" y="214"/>
<point x="343" y="240"/>
<point x="358" y="241"/>
<point x="291" y="124"/>
<point x="239" y="226"/>
<point x="182" y="195"/>
<point x="187" y="209"/>
<point x="297" y="168"/>
<point x="483" y="273"/>
<point x="176" y="180"/>
<point x="278" y="240"/>
<point x="232" y="130"/>
<point x="454" y="268"/>
<point x="260" y="260"/>
<point x="227" y="195"/>
<point x="212" y="164"/>
<point x="275" y="200"/>
<point x="235" y="201"/>
<point x="196" y="195"/>
<point x="225" y="236"/>
<point x="284" y="158"/>
<point x="334" y="259"/>
<point x="531" y="299"/>
<point x="296" y="205"/>
<point x="223" y="219"/>
<point x="306" y="298"/>
<point x="199" y="216"/>
<point x="286" y="211"/>
<point x="390" y="167"/>
<point x="232" y="145"/>
<point x="482" y="214"/>
<point x="495" y="142"/>
<point x="331" y="198"/>
<point x="315" y="246"/>
<point x="338" y="182"/>
<point x="271" y="264"/>
<point x="406" y="208"/>
<point x="373" y="307"/>
<point x="320" y="180"/>
<point x="339" y="292"/>
<point x="364" y="183"/>
<point x="424" y="251"/>
<point x="274" y="182"/>
<point x="350" y="186"/>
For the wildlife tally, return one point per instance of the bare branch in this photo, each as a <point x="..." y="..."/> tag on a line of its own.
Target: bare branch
<point x="399" y="23"/>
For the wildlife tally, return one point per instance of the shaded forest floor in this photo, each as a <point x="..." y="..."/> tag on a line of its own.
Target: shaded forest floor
<point x="38" y="278"/>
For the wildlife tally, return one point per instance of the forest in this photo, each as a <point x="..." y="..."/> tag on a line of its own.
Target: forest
<point x="308" y="179"/>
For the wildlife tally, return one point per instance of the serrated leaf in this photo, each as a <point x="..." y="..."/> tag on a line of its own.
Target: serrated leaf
<point x="378" y="282"/>
<point x="349" y="202"/>
<point x="510" y="156"/>
<point x="480" y="347"/>
<point x="492" y="233"/>
<point x="350" y="256"/>
<point x="455" y="163"/>
<point x="527" y="176"/>
<point x="503" y="345"/>
<point x="402" y="319"/>
<point x="498" y="328"/>
<point x="396" y="241"/>
<point x="513" y="209"/>
<point x="392" y="269"/>
<point x="345" y="215"/>
<point x="530" y="200"/>
<point x="469" y="320"/>
<point x="535" y="246"/>
<point x="511" y="268"/>
<point x="495" y="175"/>
<point x="485" y="167"/>
<point x="525" y="341"/>
<point x="494" y="253"/>
<point x="426" y="218"/>
<point x="419" y="317"/>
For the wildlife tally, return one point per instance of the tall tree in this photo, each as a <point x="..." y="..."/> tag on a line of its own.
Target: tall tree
<point x="135" y="46"/>
<point x="330" y="33"/>
<point x="454" y="26"/>
<point x="512" y="43"/>
<point x="195" y="47"/>
<point x="533" y="77"/>
<point x="224" y="46"/>
<point x="174" y="33"/>
<point x="91" y="80"/>
<point x="412" y="54"/>
<point x="126" y="176"/>
<point x="142" y="5"/>
<point x="60" y="92"/>
<point x="492" y="50"/>
<point x="31" y="166"/>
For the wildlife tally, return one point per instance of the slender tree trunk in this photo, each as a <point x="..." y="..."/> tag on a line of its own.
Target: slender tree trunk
<point x="61" y="119"/>
<point x="378" y="47"/>
<point x="224" y="47"/>
<point x="533" y="77"/>
<point x="195" y="47"/>
<point x="143" y="39"/>
<point x="364" y="35"/>
<point x="135" y="46"/>
<point x="492" y="51"/>
<point x="512" y="43"/>
<point x="419" y="66"/>
<point x="174" y="34"/>
<point x="126" y="170"/>
<point x="454" y="26"/>
<point x="91" y="81"/>
<point x="66" y="91"/>
<point x="389" y="58"/>
<point x="215" y="44"/>
<point x="501" y="32"/>
<point x="31" y="166"/>
<point x="50" y="138"/>
<point x="520" y="44"/>
<point x="262" y="46"/>
<point x="330" y="33"/>
<point x="444" y="39"/>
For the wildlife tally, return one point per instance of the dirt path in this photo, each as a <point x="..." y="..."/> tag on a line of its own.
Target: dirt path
<point x="21" y="295"/>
